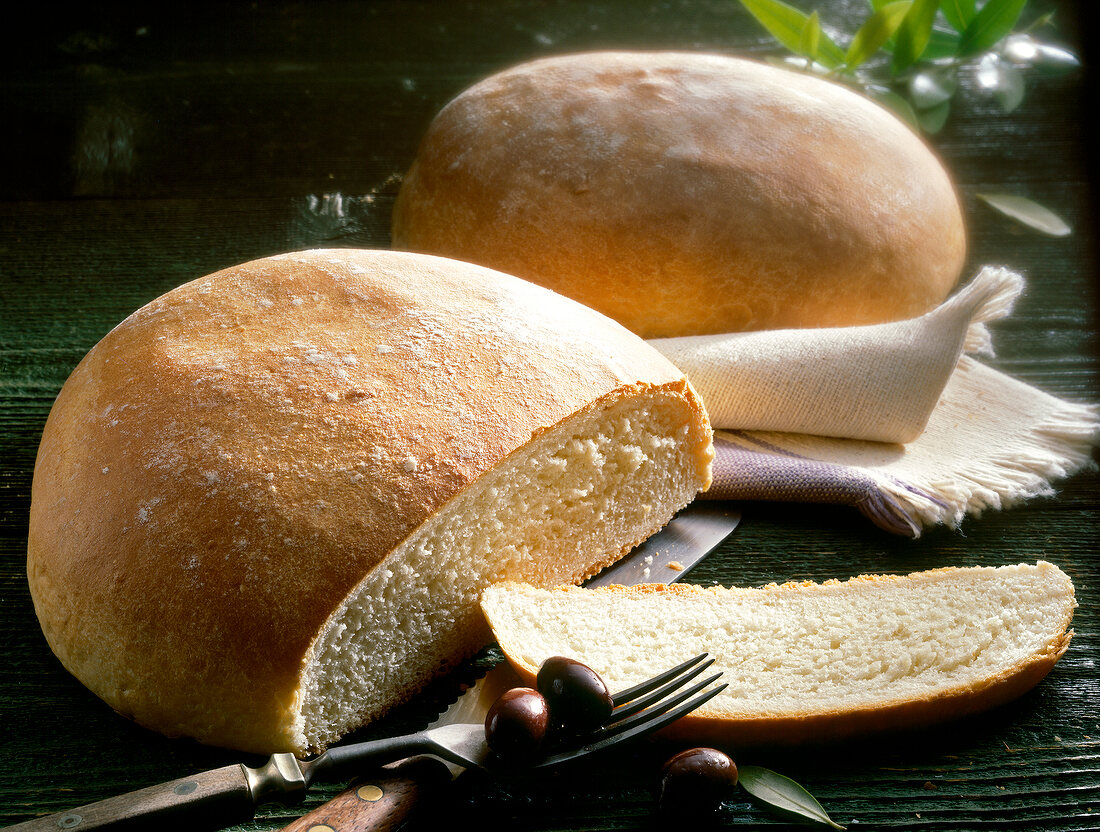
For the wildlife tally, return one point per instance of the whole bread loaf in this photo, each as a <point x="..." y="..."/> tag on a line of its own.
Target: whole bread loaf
<point x="266" y="503"/>
<point x="688" y="194"/>
<point x="806" y="661"/>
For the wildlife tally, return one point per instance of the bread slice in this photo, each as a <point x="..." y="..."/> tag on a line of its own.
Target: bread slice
<point x="806" y="661"/>
<point x="265" y="505"/>
<point x="688" y="194"/>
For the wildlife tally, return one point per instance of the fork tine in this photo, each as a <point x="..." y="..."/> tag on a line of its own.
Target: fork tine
<point x="654" y="683"/>
<point x="651" y="713"/>
<point x="642" y="727"/>
<point x="643" y="702"/>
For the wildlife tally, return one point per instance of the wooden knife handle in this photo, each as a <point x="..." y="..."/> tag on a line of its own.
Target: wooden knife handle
<point x="207" y="800"/>
<point x="382" y="802"/>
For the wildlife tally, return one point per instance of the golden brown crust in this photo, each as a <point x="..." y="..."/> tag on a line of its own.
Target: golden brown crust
<point x="227" y="463"/>
<point x="817" y="724"/>
<point x="686" y="194"/>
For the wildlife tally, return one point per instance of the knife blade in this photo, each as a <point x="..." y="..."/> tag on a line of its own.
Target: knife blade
<point x="388" y="798"/>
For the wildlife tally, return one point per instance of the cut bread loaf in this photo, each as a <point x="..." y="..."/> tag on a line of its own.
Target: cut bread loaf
<point x="688" y="194"/>
<point x="265" y="505"/>
<point x="809" y="662"/>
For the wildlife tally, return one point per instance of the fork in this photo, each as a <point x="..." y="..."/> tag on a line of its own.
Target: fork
<point x="637" y="711"/>
<point x="229" y="795"/>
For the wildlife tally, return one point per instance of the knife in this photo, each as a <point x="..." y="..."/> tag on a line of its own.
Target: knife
<point x="388" y="798"/>
<point x="230" y="794"/>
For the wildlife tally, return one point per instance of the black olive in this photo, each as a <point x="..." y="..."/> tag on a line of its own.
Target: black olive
<point x="694" y="783"/>
<point x="516" y="724"/>
<point x="577" y="695"/>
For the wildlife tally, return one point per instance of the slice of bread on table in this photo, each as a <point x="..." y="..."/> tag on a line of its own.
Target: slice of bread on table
<point x="808" y="661"/>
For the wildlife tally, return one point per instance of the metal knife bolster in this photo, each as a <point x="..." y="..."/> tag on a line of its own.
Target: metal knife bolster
<point x="284" y="778"/>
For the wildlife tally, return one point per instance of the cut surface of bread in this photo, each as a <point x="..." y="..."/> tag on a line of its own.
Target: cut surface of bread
<point x="688" y="194"/>
<point x="582" y="496"/>
<point x="265" y="504"/>
<point x="807" y="661"/>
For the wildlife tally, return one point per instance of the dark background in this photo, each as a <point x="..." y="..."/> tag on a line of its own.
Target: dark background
<point x="141" y="148"/>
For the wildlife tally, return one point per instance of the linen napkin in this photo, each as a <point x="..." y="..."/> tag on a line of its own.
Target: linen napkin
<point x="895" y="419"/>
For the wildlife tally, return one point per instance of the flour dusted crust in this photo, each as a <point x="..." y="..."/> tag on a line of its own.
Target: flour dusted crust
<point x="230" y="462"/>
<point x="687" y="194"/>
<point x="810" y="662"/>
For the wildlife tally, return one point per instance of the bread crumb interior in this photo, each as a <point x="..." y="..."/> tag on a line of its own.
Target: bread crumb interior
<point x="783" y="650"/>
<point x="574" y="499"/>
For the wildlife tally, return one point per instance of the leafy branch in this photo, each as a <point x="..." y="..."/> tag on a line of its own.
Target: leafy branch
<point x="908" y="55"/>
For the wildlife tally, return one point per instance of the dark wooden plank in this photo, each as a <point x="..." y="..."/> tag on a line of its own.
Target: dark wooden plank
<point x="154" y="145"/>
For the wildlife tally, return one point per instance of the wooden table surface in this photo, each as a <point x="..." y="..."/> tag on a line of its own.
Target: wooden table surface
<point x="141" y="149"/>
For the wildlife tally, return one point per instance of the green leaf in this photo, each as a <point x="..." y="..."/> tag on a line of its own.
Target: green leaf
<point x="1042" y="20"/>
<point x="1010" y="89"/>
<point x="913" y="34"/>
<point x="1028" y="212"/>
<point x="1055" y="60"/>
<point x="992" y="23"/>
<point x="901" y="108"/>
<point x="958" y="13"/>
<point x="1002" y="79"/>
<point x="786" y="24"/>
<point x="941" y="44"/>
<point x="934" y="118"/>
<point x="931" y="87"/>
<point x="783" y="794"/>
<point x="876" y="31"/>
<point x="811" y="37"/>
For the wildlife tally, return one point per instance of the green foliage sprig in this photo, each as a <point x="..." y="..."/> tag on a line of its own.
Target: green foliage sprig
<point x="908" y="55"/>
<point x="924" y="43"/>
<point x="783" y="796"/>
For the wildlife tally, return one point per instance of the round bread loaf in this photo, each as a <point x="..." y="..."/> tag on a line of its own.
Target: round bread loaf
<point x="688" y="194"/>
<point x="265" y="504"/>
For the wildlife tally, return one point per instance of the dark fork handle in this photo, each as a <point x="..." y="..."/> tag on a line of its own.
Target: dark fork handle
<point x="382" y="802"/>
<point x="210" y="799"/>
